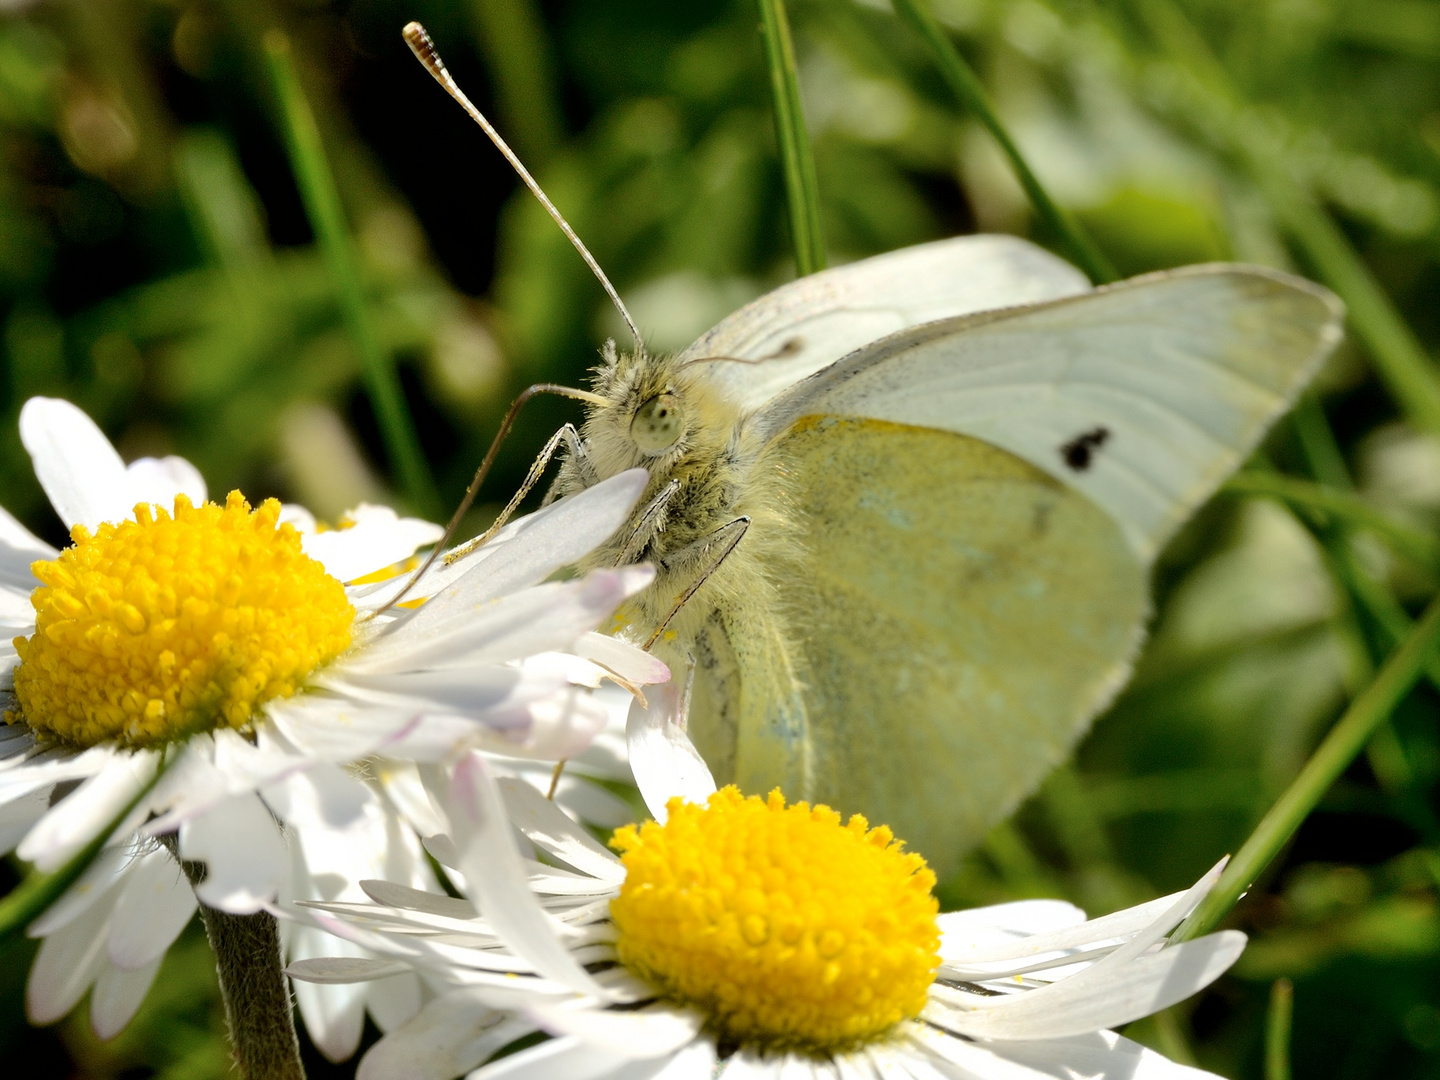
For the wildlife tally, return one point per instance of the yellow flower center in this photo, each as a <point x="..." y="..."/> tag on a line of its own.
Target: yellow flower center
<point x="154" y="629"/>
<point x="785" y="927"/>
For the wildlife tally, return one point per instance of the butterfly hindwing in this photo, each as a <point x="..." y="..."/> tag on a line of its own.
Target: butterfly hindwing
<point x="953" y="619"/>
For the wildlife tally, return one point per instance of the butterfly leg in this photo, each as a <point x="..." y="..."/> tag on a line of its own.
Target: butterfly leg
<point x="577" y="458"/>
<point x="707" y="554"/>
<point x="567" y="435"/>
<point x="652" y="521"/>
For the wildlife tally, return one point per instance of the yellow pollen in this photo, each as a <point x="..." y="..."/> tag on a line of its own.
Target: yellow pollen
<point x="154" y="629"/>
<point x="785" y="927"/>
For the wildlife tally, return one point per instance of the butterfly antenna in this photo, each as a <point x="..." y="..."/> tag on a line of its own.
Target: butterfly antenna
<point x="424" y="50"/>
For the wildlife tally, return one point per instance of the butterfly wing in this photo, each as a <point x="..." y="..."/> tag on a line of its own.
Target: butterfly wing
<point x="801" y="327"/>
<point x="1172" y="378"/>
<point x="958" y="596"/>
<point x="949" y="619"/>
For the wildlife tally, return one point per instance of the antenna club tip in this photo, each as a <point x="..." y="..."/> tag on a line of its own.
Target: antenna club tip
<point x="420" y="44"/>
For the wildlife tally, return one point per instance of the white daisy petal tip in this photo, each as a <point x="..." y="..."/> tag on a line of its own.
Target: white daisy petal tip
<point x="648" y="1033"/>
<point x="664" y="761"/>
<point x="80" y="471"/>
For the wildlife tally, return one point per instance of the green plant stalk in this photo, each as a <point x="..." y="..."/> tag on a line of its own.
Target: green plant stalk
<point x="1277" y="1030"/>
<point x="1366" y="596"/>
<point x="327" y="219"/>
<point x="966" y="86"/>
<point x="28" y="900"/>
<point x="797" y="162"/>
<point x="1354" y="511"/>
<point x="256" y="995"/>
<point x="1345" y="740"/>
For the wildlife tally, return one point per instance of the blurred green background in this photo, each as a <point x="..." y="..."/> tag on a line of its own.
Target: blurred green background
<point x="157" y="267"/>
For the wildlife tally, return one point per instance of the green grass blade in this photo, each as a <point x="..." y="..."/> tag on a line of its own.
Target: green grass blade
<point x="1335" y="753"/>
<point x="802" y="190"/>
<point x="28" y="900"/>
<point x="1353" y="510"/>
<point x="327" y="219"/>
<point x="1277" y="1030"/>
<point x="966" y="86"/>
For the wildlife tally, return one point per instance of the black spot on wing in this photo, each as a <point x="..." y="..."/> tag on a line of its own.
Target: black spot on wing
<point x="1081" y="450"/>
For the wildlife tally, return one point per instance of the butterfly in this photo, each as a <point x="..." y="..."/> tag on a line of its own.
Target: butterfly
<point x="903" y="512"/>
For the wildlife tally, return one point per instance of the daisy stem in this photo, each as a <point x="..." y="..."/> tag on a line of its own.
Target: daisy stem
<point x="966" y="86"/>
<point x="1355" y="511"/>
<point x="1334" y="754"/>
<point x="37" y="892"/>
<point x="252" y="985"/>
<point x="327" y="219"/>
<point x="797" y="162"/>
<point x="1277" y="1030"/>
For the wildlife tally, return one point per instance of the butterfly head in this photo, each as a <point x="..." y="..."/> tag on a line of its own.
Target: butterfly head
<point x="658" y="410"/>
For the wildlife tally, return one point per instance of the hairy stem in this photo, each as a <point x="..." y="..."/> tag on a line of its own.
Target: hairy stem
<point x="252" y="985"/>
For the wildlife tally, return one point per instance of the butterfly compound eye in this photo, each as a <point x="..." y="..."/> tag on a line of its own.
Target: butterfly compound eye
<point x="658" y="424"/>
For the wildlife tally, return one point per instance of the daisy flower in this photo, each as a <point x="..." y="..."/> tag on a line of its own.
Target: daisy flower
<point x="743" y="938"/>
<point x="206" y="671"/>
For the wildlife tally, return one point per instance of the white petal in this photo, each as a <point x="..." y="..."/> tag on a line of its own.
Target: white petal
<point x="66" y="965"/>
<point x="75" y="464"/>
<point x="653" y="1032"/>
<point x="87" y="811"/>
<point x="377" y="539"/>
<point x="214" y="767"/>
<point x="17" y="614"/>
<point x="798" y="1067"/>
<point x="19" y="547"/>
<point x="47" y="768"/>
<point x="105" y="874"/>
<point x="389" y="894"/>
<point x="558" y="1059"/>
<point x="401" y="783"/>
<point x="302" y="519"/>
<point x="336" y="729"/>
<point x="447" y="1038"/>
<point x="323" y="795"/>
<point x="159" y="480"/>
<point x="154" y="905"/>
<point x="468" y="691"/>
<point x="746" y="1064"/>
<point x="977" y="948"/>
<point x="1020" y="919"/>
<point x="561" y="726"/>
<point x="529" y="550"/>
<point x="580" y="795"/>
<point x="630" y="662"/>
<point x="491" y="865"/>
<point x="394" y="1001"/>
<point x="695" y="1061"/>
<point x="18" y="816"/>
<point x="1097" y="997"/>
<point x="665" y="761"/>
<point x="1102" y="1055"/>
<point x="455" y="627"/>
<point x="334" y="1013"/>
<point x="343" y="969"/>
<point x="117" y="995"/>
<point x="243" y="852"/>
<point x="547" y="827"/>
